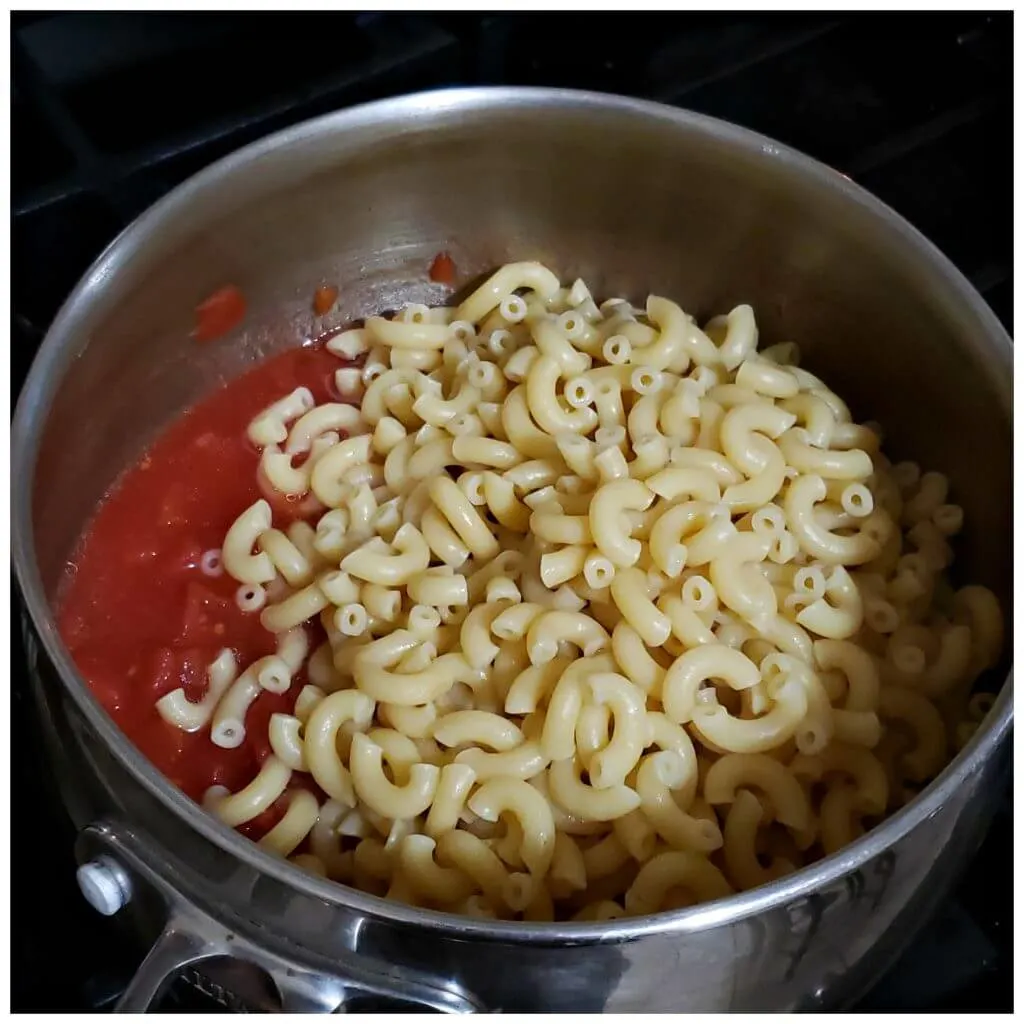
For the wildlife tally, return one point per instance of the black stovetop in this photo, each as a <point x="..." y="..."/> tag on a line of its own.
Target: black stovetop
<point x="112" y="110"/>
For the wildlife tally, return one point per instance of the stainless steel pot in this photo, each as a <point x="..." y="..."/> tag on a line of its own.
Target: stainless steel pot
<point x="633" y="197"/>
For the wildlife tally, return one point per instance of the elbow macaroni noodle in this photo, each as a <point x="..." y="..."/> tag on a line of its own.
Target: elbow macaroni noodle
<point x="611" y="603"/>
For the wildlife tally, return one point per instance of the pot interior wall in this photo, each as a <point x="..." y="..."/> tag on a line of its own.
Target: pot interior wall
<point x="632" y="204"/>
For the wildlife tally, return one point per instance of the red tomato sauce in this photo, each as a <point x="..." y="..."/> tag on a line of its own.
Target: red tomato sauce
<point x="138" y="614"/>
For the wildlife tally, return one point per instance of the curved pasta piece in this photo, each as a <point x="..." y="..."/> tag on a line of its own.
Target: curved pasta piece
<point x="320" y="420"/>
<point x="438" y="884"/>
<point x="700" y="348"/>
<point x="552" y="342"/>
<point x="533" y="685"/>
<point x="673" y="345"/>
<point x="829" y="464"/>
<point x="324" y="841"/>
<point x="558" y="738"/>
<point x="277" y="469"/>
<point x="480" y="728"/>
<point x="923" y="718"/>
<point x="740" y="845"/>
<point x="863" y="546"/>
<point x="453" y="786"/>
<point x="858" y="668"/>
<point x="839" y="614"/>
<point x="558" y="528"/>
<point x="607" y="506"/>
<point x="504" y="282"/>
<point x="237" y="555"/>
<point x="788" y="801"/>
<point x="269" y="426"/>
<point x="398" y="334"/>
<point x="679" y="692"/>
<point x="593" y="731"/>
<point x="398" y="751"/>
<point x="743" y="430"/>
<point x="406" y="688"/>
<point x="737" y="583"/>
<point x="840" y="818"/>
<point x="516" y="797"/>
<point x="713" y="462"/>
<point x="583" y="801"/>
<point x="297" y="608"/>
<point x="567" y="873"/>
<point x="672" y="870"/>
<point x="535" y="444"/>
<point x="637" y="835"/>
<point x="766" y="378"/>
<point x="297" y="822"/>
<point x="628" y="706"/>
<point x="321" y="741"/>
<point x="677" y="482"/>
<point x="688" y="628"/>
<point x="463" y="518"/>
<point x="374" y="565"/>
<point x="477" y="860"/>
<point x="326" y="480"/>
<point x="523" y="762"/>
<point x="604" y="858"/>
<point x="190" y="716"/>
<point x="295" y="568"/>
<point x="444" y="412"/>
<point x="253" y="799"/>
<point x="754" y="735"/>
<point x="856" y="764"/>
<point x="979" y="608"/>
<point x="543" y="401"/>
<point x="552" y="628"/>
<point x="629" y="590"/>
<point x="382" y="795"/>
<point x="227" y="729"/>
<point x="635" y="660"/>
<point x="814" y="416"/>
<point x="285" y="735"/>
<point x="659" y="776"/>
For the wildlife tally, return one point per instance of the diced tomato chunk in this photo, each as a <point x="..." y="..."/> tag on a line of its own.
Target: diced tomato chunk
<point x="442" y="270"/>
<point x="324" y="299"/>
<point x="220" y="313"/>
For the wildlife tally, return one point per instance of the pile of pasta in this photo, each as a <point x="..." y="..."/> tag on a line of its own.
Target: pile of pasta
<point x="622" y="614"/>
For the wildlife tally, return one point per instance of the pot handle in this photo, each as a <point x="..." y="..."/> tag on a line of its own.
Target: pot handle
<point x="115" y="869"/>
<point x="177" y="948"/>
<point x="185" y="943"/>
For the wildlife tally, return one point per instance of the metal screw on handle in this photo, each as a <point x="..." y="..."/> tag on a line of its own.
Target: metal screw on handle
<point x="105" y="885"/>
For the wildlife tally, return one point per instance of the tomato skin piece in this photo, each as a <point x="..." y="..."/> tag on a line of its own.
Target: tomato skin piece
<point x="220" y="313"/>
<point x="324" y="299"/>
<point x="442" y="270"/>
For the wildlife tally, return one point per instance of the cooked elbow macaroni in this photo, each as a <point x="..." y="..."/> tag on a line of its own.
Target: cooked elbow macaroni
<point x="611" y="602"/>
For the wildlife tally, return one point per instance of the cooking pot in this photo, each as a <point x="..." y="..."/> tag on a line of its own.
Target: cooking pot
<point x="634" y="198"/>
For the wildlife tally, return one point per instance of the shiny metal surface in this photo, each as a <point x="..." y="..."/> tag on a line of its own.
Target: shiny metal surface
<point x="635" y="198"/>
<point x="191" y="938"/>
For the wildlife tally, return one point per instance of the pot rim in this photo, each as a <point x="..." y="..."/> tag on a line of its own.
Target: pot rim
<point x="40" y="385"/>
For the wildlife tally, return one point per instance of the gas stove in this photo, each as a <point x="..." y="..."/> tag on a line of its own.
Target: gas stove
<point x="110" y="111"/>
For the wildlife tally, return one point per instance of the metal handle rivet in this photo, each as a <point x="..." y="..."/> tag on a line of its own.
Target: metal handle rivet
<point x="104" y="884"/>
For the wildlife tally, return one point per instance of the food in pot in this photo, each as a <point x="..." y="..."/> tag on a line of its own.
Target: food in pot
<point x="535" y="609"/>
